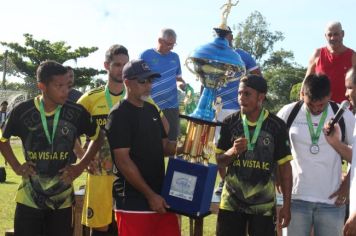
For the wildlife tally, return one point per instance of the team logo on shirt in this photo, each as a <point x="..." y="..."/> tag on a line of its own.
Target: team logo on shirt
<point x="266" y="141"/>
<point x="65" y="130"/>
<point x="90" y="213"/>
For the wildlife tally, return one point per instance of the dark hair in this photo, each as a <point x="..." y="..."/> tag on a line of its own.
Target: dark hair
<point x="316" y="86"/>
<point x="4" y="103"/>
<point x="69" y="68"/>
<point x="47" y="69"/>
<point x="114" y="50"/>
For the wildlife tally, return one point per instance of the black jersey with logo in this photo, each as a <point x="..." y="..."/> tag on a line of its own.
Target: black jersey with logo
<point x="45" y="190"/>
<point x="249" y="183"/>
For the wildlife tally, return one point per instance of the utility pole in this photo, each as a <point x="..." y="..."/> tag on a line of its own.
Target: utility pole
<point x="4" y="72"/>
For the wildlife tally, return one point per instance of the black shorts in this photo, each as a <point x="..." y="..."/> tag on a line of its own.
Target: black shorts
<point x="236" y="224"/>
<point x="172" y="116"/>
<point x="34" y="222"/>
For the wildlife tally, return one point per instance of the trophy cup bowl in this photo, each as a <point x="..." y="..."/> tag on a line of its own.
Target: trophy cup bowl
<point x="215" y="64"/>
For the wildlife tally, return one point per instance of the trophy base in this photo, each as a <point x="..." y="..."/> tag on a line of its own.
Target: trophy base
<point x="188" y="187"/>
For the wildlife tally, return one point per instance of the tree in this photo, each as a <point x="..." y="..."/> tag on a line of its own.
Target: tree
<point x="28" y="57"/>
<point x="282" y="74"/>
<point x="280" y="58"/>
<point x="255" y="37"/>
<point x="279" y="69"/>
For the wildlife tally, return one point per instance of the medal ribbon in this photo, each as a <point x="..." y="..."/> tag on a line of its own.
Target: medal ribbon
<point x="108" y="97"/>
<point x="315" y="135"/>
<point x="44" y="121"/>
<point x="252" y="142"/>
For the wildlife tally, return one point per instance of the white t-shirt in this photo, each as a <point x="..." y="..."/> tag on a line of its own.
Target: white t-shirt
<point x="315" y="176"/>
<point x="353" y="177"/>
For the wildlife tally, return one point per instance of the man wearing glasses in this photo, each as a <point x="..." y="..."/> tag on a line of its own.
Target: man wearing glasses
<point x="164" y="89"/>
<point x="139" y="143"/>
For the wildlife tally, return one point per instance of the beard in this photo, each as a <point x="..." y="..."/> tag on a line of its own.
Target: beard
<point x="144" y="98"/>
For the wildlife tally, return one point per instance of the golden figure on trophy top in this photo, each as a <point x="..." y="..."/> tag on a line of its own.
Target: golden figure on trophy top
<point x="225" y="14"/>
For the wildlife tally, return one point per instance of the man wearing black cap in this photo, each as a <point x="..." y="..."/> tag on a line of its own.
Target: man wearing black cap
<point x="252" y="144"/>
<point x="139" y="143"/>
<point x="228" y="93"/>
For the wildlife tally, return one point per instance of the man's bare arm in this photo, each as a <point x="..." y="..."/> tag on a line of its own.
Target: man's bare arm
<point x="285" y="171"/>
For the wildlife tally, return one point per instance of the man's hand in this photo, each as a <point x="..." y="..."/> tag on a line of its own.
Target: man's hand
<point x="70" y="173"/>
<point x="157" y="203"/>
<point x="350" y="226"/>
<point x="240" y="145"/>
<point x="182" y="85"/>
<point x="334" y="136"/>
<point x="342" y="193"/>
<point x="284" y="217"/>
<point x="26" y="169"/>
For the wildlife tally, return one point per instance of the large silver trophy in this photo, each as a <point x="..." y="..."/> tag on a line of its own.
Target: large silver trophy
<point x="215" y="64"/>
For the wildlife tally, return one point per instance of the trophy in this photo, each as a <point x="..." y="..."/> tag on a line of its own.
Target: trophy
<point x="215" y="64"/>
<point x="189" y="182"/>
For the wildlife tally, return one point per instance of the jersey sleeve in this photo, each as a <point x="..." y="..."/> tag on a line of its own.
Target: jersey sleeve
<point x="88" y="126"/>
<point x="246" y="57"/>
<point x="179" y="69"/>
<point x="224" y="142"/>
<point x="11" y="126"/>
<point x="282" y="150"/>
<point x="84" y="100"/>
<point x="282" y="113"/>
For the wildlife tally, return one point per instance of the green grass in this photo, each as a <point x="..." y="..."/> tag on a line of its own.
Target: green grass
<point x="9" y="188"/>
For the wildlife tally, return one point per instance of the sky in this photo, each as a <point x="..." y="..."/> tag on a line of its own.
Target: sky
<point x="137" y="23"/>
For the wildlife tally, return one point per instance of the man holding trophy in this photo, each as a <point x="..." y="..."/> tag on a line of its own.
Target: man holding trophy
<point x="253" y="142"/>
<point x="139" y="143"/>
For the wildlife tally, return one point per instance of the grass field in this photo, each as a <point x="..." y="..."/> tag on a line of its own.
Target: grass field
<point x="8" y="191"/>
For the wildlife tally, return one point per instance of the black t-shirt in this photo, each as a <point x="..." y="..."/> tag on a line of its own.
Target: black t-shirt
<point x="141" y="130"/>
<point x="45" y="190"/>
<point x="249" y="183"/>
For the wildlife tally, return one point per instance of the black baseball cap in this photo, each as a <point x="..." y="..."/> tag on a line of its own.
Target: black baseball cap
<point x="138" y="69"/>
<point x="256" y="82"/>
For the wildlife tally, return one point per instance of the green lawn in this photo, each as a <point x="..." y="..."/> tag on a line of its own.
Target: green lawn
<point x="8" y="191"/>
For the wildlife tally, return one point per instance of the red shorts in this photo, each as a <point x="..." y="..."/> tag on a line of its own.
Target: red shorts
<point x="133" y="223"/>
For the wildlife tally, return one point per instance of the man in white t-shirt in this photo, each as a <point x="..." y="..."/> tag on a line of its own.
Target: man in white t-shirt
<point x="316" y="165"/>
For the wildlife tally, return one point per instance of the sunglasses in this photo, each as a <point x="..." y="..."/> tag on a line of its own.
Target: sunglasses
<point x="169" y="44"/>
<point x="144" y="81"/>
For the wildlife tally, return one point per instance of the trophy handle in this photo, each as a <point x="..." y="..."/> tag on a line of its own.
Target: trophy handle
<point x="187" y="64"/>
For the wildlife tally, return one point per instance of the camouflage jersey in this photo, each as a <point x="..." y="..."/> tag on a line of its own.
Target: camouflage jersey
<point x="96" y="104"/>
<point x="45" y="190"/>
<point x="249" y="182"/>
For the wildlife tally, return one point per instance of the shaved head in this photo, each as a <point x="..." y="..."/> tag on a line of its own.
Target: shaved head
<point x="334" y="25"/>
